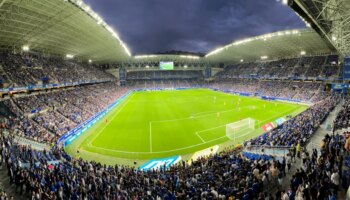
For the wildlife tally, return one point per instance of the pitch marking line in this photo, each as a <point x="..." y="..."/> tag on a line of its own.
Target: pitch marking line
<point x="150" y="136"/>
<point x="157" y="152"/>
<point x="201" y="131"/>
<point x="109" y="121"/>
<point x="200" y="137"/>
<point x="183" y="148"/>
<point x="193" y="117"/>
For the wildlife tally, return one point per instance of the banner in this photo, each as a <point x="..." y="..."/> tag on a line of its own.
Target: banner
<point x="156" y="164"/>
<point x="269" y="126"/>
<point x="280" y="121"/>
<point x="346" y="69"/>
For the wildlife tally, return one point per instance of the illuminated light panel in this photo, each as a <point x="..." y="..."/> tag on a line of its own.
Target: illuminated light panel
<point x="25" y="48"/>
<point x="101" y="22"/>
<point x="69" y="56"/>
<point x="302" y="53"/>
<point x="261" y="37"/>
<point x="144" y="56"/>
<point x="264" y="57"/>
<point x="189" y="57"/>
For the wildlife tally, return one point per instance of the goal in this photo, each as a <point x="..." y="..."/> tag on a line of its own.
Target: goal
<point x="239" y="128"/>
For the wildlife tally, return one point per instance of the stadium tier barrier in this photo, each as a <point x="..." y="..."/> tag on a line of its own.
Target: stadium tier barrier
<point x="67" y="138"/>
<point x="50" y="86"/>
<point x="258" y="150"/>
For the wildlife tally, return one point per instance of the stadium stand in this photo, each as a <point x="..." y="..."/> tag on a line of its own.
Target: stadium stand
<point x="44" y="116"/>
<point x="343" y="117"/>
<point x="45" y="94"/>
<point x="306" y="67"/>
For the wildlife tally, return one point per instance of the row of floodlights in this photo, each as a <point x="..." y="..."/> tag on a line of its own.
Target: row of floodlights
<point x="262" y="37"/>
<point x="68" y="56"/>
<point x="154" y="56"/>
<point x="101" y="22"/>
<point x="266" y="57"/>
<point x="185" y="66"/>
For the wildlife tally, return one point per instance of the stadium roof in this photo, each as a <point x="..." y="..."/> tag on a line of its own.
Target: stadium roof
<point x="330" y="18"/>
<point x="59" y="27"/>
<point x="283" y="44"/>
<point x="70" y="27"/>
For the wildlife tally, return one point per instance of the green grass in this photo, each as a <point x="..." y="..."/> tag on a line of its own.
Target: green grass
<point x="160" y="124"/>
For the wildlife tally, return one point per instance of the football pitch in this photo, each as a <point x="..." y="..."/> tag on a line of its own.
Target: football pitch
<point x="159" y="124"/>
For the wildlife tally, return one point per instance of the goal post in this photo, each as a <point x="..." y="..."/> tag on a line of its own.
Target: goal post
<point x="239" y="128"/>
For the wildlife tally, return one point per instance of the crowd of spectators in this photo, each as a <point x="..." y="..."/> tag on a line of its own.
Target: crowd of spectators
<point x="321" y="173"/>
<point x="302" y="91"/>
<point x="32" y="69"/>
<point x="343" y="118"/>
<point x="46" y="116"/>
<point x="299" y="128"/>
<point x="225" y="175"/>
<point x="163" y="75"/>
<point x="316" y="67"/>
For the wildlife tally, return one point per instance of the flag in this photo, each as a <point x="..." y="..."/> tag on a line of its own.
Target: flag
<point x="269" y="126"/>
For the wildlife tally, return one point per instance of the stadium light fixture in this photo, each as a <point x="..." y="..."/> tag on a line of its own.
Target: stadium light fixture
<point x="25" y="48"/>
<point x="189" y="57"/>
<point x="69" y="56"/>
<point x="302" y="53"/>
<point x="263" y="57"/>
<point x="90" y="61"/>
<point x="87" y="9"/>
<point x="242" y="60"/>
<point x="247" y="40"/>
<point x="185" y="66"/>
<point x="147" y="66"/>
<point x="144" y="56"/>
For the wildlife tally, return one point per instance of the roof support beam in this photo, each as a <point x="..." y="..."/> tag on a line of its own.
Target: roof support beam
<point x="2" y="3"/>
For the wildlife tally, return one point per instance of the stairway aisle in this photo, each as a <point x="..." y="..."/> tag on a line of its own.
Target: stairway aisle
<point x="316" y="139"/>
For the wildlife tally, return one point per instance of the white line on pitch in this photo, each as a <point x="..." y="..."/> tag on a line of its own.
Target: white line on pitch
<point x="109" y="121"/>
<point x="157" y="152"/>
<point x="150" y="136"/>
<point x="200" y="137"/>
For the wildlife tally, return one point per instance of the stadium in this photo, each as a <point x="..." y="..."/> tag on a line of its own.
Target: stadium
<point x="82" y="116"/>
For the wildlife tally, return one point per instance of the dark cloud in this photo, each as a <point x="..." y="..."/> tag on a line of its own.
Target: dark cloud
<point x="149" y="26"/>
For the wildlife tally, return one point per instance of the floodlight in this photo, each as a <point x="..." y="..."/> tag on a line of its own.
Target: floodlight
<point x="69" y="56"/>
<point x="242" y="60"/>
<point x="25" y="48"/>
<point x="263" y="57"/>
<point x="302" y="53"/>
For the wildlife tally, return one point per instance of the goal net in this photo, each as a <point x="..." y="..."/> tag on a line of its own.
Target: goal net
<point x="240" y="128"/>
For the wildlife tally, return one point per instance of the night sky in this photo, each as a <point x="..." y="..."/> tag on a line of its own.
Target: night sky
<point x="149" y="26"/>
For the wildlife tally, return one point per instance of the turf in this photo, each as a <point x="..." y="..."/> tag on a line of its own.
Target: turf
<point x="158" y="124"/>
